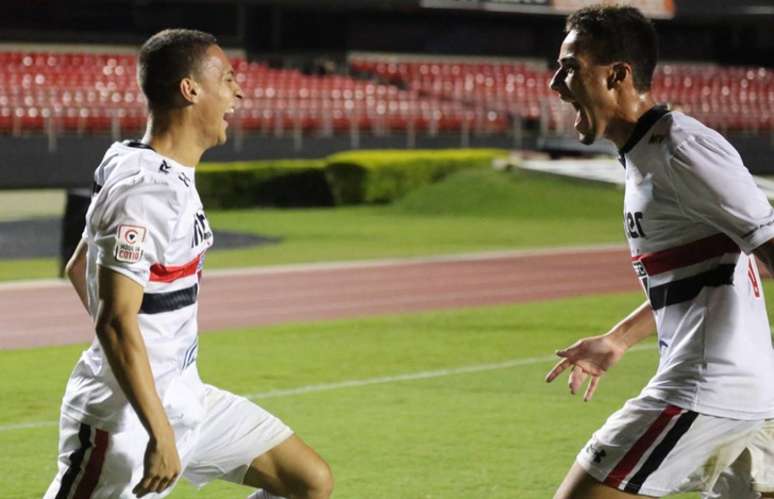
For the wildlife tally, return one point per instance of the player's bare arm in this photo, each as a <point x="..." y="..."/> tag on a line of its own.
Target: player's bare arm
<point x="119" y="334"/>
<point x="593" y="356"/>
<point x="76" y="271"/>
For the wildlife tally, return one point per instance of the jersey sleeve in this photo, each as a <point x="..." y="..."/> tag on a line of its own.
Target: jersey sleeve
<point x="713" y="186"/>
<point x="135" y="227"/>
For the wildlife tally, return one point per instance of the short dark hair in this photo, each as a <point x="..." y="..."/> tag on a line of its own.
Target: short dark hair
<point x="618" y="33"/>
<point x="165" y="59"/>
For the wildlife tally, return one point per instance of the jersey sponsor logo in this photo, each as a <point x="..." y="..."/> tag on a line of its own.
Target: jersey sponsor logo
<point x="633" y="225"/>
<point x="129" y="239"/>
<point x="202" y="232"/>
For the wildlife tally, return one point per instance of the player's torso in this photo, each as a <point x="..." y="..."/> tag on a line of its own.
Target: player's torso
<point x="168" y="313"/>
<point x="169" y="309"/>
<point x="705" y="292"/>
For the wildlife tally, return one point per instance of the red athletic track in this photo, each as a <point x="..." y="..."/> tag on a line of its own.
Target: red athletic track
<point x="50" y="314"/>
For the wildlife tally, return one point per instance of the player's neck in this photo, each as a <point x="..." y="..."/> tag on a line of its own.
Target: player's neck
<point x="174" y="139"/>
<point x="629" y="112"/>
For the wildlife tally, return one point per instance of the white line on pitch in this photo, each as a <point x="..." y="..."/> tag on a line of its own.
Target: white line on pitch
<point x="416" y="376"/>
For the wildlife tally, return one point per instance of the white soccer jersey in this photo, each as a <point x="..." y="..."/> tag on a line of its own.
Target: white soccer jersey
<point x="146" y="222"/>
<point x="692" y="215"/>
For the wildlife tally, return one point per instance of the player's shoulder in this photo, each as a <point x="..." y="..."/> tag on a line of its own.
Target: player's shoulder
<point x="133" y="168"/>
<point x="681" y="132"/>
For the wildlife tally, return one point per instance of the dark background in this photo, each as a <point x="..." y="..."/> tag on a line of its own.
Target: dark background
<point x="729" y="32"/>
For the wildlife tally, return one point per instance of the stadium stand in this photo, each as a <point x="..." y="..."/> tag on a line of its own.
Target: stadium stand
<point x="728" y="98"/>
<point x="97" y="93"/>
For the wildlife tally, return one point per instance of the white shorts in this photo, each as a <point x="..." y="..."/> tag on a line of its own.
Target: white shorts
<point x="655" y="449"/>
<point x="95" y="464"/>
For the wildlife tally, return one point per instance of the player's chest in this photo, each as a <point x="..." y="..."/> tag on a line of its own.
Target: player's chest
<point x="193" y="234"/>
<point x="652" y="216"/>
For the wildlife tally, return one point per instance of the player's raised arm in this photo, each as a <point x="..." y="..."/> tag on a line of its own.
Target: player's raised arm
<point x="592" y="357"/>
<point x="119" y="334"/>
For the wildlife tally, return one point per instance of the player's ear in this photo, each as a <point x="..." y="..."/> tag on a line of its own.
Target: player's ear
<point x="189" y="89"/>
<point x="618" y="74"/>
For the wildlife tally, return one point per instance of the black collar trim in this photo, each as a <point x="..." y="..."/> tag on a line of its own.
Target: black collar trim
<point x="644" y="124"/>
<point x="138" y="145"/>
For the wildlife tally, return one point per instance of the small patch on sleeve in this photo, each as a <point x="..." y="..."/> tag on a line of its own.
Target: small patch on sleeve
<point x="129" y="239"/>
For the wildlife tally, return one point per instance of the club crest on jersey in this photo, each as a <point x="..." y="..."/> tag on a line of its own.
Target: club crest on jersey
<point x="129" y="239"/>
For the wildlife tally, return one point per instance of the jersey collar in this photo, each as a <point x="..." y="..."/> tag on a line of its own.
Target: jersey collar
<point x="138" y="145"/>
<point x="642" y="126"/>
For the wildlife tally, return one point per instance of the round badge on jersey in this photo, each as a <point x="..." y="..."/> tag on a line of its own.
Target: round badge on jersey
<point x="129" y="241"/>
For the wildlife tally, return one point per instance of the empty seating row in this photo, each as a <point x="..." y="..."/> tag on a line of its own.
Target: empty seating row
<point x="88" y="92"/>
<point x="725" y="97"/>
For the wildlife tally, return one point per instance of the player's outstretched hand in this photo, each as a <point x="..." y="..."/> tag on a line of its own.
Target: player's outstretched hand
<point x="587" y="358"/>
<point x="162" y="466"/>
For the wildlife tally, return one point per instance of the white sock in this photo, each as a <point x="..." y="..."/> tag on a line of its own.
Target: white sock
<point x="262" y="494"/>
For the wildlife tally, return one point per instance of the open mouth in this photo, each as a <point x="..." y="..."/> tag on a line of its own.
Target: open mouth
<point x="579" y="117"/>
<point x="228" y="115"/>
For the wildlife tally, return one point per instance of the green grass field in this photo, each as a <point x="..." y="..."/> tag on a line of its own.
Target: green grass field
<point x="499" y="432"/>
<point x="470" y="211"/>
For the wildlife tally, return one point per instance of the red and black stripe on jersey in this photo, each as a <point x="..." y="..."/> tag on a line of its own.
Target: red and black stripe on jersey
<point x="687" y="288"/>
<point x="156" y="303"/>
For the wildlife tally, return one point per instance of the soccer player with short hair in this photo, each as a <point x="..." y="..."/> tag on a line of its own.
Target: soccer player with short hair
<point x="135" y="414"/>
<point x="694" y="218"/>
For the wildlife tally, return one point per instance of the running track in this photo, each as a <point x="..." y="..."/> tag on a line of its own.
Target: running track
<point x="48" y="313"/>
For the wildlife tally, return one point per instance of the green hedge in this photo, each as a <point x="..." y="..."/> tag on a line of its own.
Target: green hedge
<point x="382" y="176"/>
<point x="264" y="183"/>
<point x="344" y="178"/>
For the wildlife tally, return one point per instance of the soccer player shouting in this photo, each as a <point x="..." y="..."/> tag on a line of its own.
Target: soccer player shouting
<point x="693" y="218"/>
<point x="135" y="415"/>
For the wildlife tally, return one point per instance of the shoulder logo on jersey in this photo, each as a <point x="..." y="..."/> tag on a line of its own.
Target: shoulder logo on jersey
<point x="129" y="239"/>
<point x="184" y="179"/>
<point x="164" y="168"/>
<point x="202" y="232"/>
